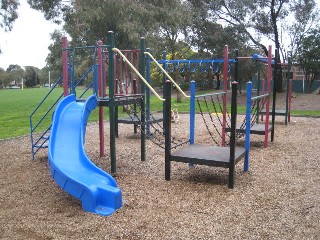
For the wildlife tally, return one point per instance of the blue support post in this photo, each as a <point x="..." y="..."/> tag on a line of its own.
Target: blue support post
<point x="192" y="110"/>
<point x="248" y="125"/>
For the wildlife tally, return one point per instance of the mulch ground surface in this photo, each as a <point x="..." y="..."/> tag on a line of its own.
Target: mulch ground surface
<point x="277" y="199"/>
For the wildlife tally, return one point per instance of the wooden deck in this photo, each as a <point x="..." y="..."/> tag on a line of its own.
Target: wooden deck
<point x="278" y="112"/>
<point x="258" y="129"/>
<point x="207" y="155"/>
<point x="137" y="121"/>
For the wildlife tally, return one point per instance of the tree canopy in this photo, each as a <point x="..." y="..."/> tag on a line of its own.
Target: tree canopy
<point x="177" y="26"/>
<point x="309" y="55"/>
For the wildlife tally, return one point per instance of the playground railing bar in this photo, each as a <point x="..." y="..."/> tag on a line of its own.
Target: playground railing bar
<point x="35" y="146"/>
<point x="260" y="96"/>
<point x="84" y="47"/>
<point x="162" y="61"/>
<point x="210" y="94"/>
<point x="53" y="87"/>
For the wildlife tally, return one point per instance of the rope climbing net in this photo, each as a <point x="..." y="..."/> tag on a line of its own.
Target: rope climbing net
<point x="214" y="115"/>
<point x="152" y="126"/>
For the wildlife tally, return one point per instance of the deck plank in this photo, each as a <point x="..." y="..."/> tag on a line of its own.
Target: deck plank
<point x="207" y="155"/>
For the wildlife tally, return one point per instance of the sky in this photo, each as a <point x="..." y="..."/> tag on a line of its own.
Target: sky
<point x="27" y="43"/>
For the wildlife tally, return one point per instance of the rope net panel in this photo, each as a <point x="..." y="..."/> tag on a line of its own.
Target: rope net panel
<point x="212" y="112"/>
<point x="257" y="104"/>
<point x="152" y="127"/>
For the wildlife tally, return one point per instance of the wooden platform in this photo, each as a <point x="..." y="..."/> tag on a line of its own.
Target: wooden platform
<point x="207" y="155"/>
<point x="258" y="129"/>
<point x="137" y="121"/>
<point x="278" y="112"/>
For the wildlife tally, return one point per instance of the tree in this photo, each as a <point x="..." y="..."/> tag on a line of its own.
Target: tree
<point x="306" y="16"/>
<point x="8" y="14"/>
<point x="89" y="21"/>
<point x="309" y="56"/>
<point x="255" y="19"/>
<point x="31" y="76"/>
<point x="54" y="58"/>
<point x="4" y="78"/>
<point x="15" y="73"/>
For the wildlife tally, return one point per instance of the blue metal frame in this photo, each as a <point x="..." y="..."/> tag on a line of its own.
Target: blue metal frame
<point x="41" y="141"/>
<point x="248" y="122"/>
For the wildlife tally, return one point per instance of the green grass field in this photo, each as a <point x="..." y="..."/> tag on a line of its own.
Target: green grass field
<point x="16" y="105"/>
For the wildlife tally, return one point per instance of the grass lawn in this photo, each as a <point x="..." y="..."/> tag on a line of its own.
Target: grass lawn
<point x="16" y="105"/>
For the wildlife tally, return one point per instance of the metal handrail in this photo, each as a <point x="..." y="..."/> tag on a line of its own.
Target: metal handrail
<point x="33" y="127"/>
<point x="210" y="94"/>
<point x="260" y="96"/>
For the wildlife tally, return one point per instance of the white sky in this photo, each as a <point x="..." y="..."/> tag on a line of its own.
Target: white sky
<point x="27" y="43"/>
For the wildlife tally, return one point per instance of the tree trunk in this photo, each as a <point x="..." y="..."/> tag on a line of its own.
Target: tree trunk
<point x="179" y="96"/>
<point x="218" y="81"/>
<point x="278" y="76"/>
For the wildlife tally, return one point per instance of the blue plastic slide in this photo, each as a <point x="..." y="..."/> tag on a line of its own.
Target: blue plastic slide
<point x="69" y="165"/>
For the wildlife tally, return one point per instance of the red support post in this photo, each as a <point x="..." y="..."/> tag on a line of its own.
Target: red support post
<point x="120" y="78"/>
<point x="269" y="76"/>
<point x="65" y="71"/>
<point x="126" y="75"/>
<point x="131" y="74"/>
<point x="117" y="79"/>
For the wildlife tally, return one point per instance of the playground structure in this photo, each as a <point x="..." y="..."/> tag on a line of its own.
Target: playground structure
<point x="224" y="154"/>
<point x="218" y="156"/>
<point x="254" y="104"/>
<point x="131" y="90"/>
<point x="280" y="112"/>
<point x="69" y="166"/>
<point x="97" y="190"/>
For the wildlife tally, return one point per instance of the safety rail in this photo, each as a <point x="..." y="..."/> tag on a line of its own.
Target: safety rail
<point x="138" y="73"/>
<point x="80" y="80"/>
<point x="40" y="142"/>
<point x="39" y="138"/>
<point x="210" y="94"/>
<point x="260" y="96"/>
<point x="165" y="72"/>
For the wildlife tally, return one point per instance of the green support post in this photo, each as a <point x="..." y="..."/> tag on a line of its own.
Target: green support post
<point x="236" y="65"/>
<point x="287" y="92"/>
<point x="167" y="130"/>
<point x="111" y="102"/>
<point x="142" y="71"/>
